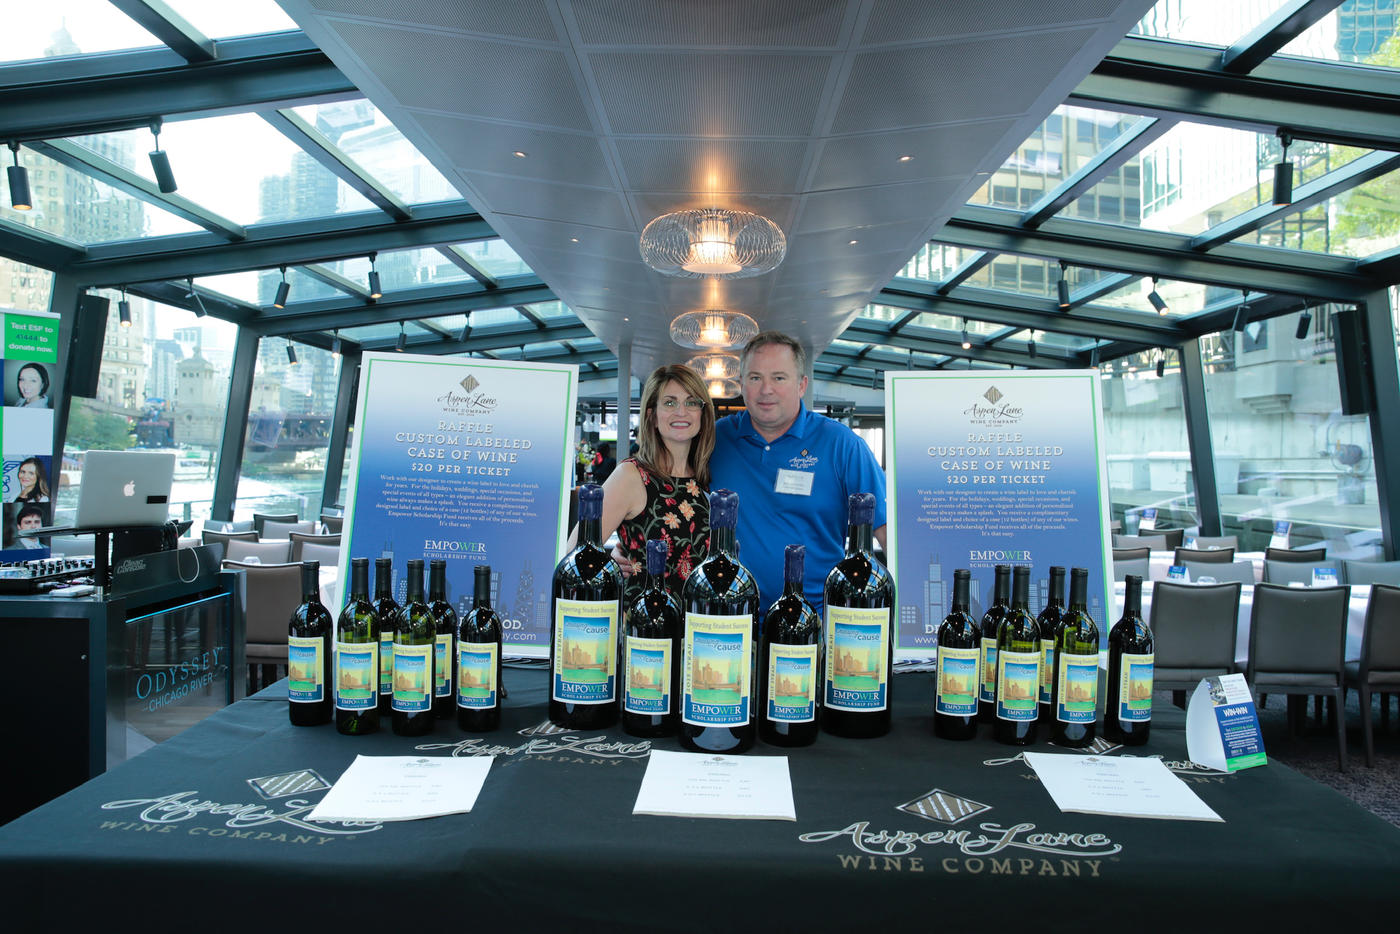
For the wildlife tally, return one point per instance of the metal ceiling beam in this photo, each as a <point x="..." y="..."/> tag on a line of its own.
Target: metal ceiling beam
<point x="1158" y="253"/>
<point x="1287" y="23"/>
<point x="25" y="244"/>
<point x="169" y="27"/>
<point x="120" y="177"/>
<point x="492" y="338"/>
<point x="335" y="280"/>
<point x="1104" y="285"/>
<point x="176" y="295"/>
<point x="966" y="270"/>
<point x="529" y="315"/>
<point x="429" y="302"/>
<point x="315" y="145"/>
<point x="1312" y="100"/>
<point x="1382" y="267"/>
<point x="469" y="266"/>
<point x="124" y="90"/>
<point x="1128" y="144"/>
<point x="287" y="243"/>
<point x="432" y="328"/>
<point x="929" y="341"/>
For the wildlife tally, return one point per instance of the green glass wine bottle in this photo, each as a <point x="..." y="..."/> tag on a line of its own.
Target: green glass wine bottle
<point x="357" y="657"/>
<point x="1076" y="680"/>
<point x="1018" y="666"/>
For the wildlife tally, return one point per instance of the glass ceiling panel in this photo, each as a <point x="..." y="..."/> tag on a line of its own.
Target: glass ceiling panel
<point x="367" y="136"/>
<point x="402" y="269"/>
<point x="1060" y="146"/>
<point x="495" y="257"/>
<point x="1362" y="32"/>
<point x="238" y="285"/>
<point x="225" y="20"/>
<point x="1360" y="222"/>
<point x="486" y="317"/>
<point x="65" y="28"/>
<point x="1208" y="22"/>
<point x="547" y="310"/>
<point x="72" y="205"/>
<point x="371" y="332"/>
<point x="304" y="288"/>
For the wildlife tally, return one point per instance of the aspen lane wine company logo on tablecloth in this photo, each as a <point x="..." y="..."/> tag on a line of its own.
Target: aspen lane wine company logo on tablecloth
<point x="591" y="750"/>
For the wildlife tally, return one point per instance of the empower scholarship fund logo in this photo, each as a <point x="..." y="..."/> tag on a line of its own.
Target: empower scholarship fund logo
<point x="994" y="411"/>
<point x="471" y="400"/>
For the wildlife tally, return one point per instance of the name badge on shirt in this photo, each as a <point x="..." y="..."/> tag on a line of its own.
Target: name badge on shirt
<point x="796" y="482"/>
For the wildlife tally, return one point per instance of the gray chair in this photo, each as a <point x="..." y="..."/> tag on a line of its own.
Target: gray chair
<point x="298" y="539"/>
<point x="261" y="519"/>
<point x="1205" y="555"/>
<point x="1131" y="554"/>
<point x="1217" y="541"/>
<point x="328" y="555"/>
<point x="331" y="525"/>
<point x="1174" y="537"/>
<point x="1296" y="555"/>
<point x="270" y="592"/>
<point x="280" y="530"/>
<point x="1138" y="566"/>
<point x="1297" y="646"/>
<point x="227" y="525"/>
<point x="1295" y="572"/>
<point x="1371" y="572"/>
<point x="209" y="537"/>
<point x="265" y="552"/>
<point x="1193" y="628"/>
<point x="1151" y="542"/>
<point x="1379" y="667"/>
<point x="1239" y="572"/>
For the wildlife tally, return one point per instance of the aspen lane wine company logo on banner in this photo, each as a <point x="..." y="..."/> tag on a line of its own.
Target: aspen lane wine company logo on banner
<point x="1014" y="473"/>
<point x="469" y="461"/>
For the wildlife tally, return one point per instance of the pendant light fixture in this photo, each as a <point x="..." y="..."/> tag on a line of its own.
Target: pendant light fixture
<point x="402" y="343"/>
<point x="1161" y="363"/>
<point x="335" y="344"/>
<point x="291" y="354"/>
<point x="375" y="292"/>
<point x="160" y="165"/>
<point x="20" y="198"/>
<point x="713" y="329"/>
<point x="1304" y="323"/>
<point x="283" y="291"/>
<point x="1030" y="346"/>
<point x="712" y="242"/>
<point x="1241" y="313"/>
<point x="1063" y="287"/>
<point x="722" y="366"/>
<point x="1283" y="172"/>
<point x="966" y="341"/>
<point x="1155" y="299"/>
<point x="199" y="310"/>
<point x="1094" y="356"/>
<point x="124" y="310"/>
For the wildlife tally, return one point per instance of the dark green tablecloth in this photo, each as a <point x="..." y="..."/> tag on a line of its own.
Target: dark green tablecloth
<point x="207" y="832"/>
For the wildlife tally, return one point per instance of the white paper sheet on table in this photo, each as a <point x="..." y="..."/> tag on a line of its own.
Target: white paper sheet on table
<point x="1118" y="787"/>
<point x="684" y="784"/>
<point x="390" y="788"/>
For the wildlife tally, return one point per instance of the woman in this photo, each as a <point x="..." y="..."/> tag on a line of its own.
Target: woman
<point x="661" y="492"/>
<point x="33" y="487"/>
<point x="33" y="385"/>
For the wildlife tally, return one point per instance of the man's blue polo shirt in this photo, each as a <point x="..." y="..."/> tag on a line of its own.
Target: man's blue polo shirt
<point x="839" y="463"/>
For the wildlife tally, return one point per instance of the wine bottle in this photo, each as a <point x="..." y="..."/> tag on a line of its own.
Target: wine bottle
<point x="309" y="634"/>
<point x="859" y="597"/>
<point x="388" y="612"/>
<point x="357" y="657"/>
<point x="720" y="599"/>
<point x="791" y="666"/>
<point x="991" y="625"/>
<point x="959" y="658"/>
<point x="1127" y="716"/>
<point x="1076" y="680"/>
<point x="651" y="653"/>
<point x="587" y="607"/>
<point x="1049" y="622"/>
<point x="415" y="639"/>
<point x="444" y="652"/>
<point x="1018" y="666"/>
<point x="479" y="659"/>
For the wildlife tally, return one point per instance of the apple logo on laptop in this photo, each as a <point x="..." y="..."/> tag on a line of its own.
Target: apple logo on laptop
<point x="129" y="489"/>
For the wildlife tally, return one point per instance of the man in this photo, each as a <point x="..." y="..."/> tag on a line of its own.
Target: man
<point x="29" y="520"/>
<point x="793" y="470"/>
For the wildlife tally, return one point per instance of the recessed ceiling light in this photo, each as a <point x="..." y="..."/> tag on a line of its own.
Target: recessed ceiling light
<point x="905" y="158"/>
<point x="625" y="318"/>
<point x="519" y="155"/>
<point x="573" y="239"/>
<point x="854" y="242"/>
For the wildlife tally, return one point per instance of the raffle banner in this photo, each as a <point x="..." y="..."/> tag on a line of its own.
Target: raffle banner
<point x="470" y="461"/>
<point x="28" y="478"/>
<point x="993" y="468"/>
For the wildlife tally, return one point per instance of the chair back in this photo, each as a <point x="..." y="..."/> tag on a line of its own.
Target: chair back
<point x="1380" y="642"/>
<point x="1295" y="554"/>
<point x="227" y="525"/>
<point x="1295" y="572"/>
<point x="328" y="555"/>
<point x="1298" y="630"/>
<point x="271" y="593"/>
<point x="1174" y="537"/>
<point x="331" y="524"/>
<point x="1138" y="566"/>
<point x="298" y="539"/>
<point x="1194" y="626"/>
<point x="1371" y="572"/>
<point x="1205" y="555"/>
<point x="1240" y="572"/>
<point x="1218" y="541"/>
<point x="280" y="530"/>
<point x="1150" y="542"/>
<point x="1131" y="554"/>
<point x="209" y="537"/>
<point x="265" y="552"/>
<point x="262" y="518"/>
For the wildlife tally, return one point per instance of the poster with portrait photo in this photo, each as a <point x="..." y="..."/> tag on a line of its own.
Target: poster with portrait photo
<point x="20" y="520"/>
<point x="26" y="478"/>
<point x="29" y="384"/>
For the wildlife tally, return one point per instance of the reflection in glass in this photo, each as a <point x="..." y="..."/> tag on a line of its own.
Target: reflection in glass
<point x="364" y="134"/>
<point x="69" y="27"/>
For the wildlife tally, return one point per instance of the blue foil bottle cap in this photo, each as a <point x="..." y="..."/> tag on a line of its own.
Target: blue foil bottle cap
<point x="794" y="556"/>
<point x="590" y="502"/>
<point x="724" y="509"/>
<point x="861" y="508"/>
<point x="657" y="549"/>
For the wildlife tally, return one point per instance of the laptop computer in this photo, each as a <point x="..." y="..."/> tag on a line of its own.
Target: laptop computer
<point x="125" y="489"/>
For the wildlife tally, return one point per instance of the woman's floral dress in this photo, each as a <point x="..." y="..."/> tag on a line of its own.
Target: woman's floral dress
<point x="678" y="511"/>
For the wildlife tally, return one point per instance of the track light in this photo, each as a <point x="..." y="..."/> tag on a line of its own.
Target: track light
<point x="1063" y="287"/>
<point x="291" y="354"/>
<point x="375" y="292"/>
<point x="966" y="341"/>
<point x="124" y="311"/>
<point x="1094" y="357"/>
<point x="160" y="164"/>
<point x="1241" y="314"/>
<point x="199" y="310"/>
<point x="1283" y="172"/>
<point x="1304" y="322"/>
<point x="19" y="182"/>
<point x="335" y="344"/>
<point x="1155" y="299"/>
<point x="1030" y="346"/>
<point x="283" y="291"/>
<point x="1161" y="363"/>
<point x="402" y="342"/>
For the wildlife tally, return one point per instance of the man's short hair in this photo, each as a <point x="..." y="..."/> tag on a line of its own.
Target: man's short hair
<point x="27" y="511"/>
<point x="774" y="337"/>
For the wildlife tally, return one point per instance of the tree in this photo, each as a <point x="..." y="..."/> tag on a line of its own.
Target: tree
<point x="89" y="428"/>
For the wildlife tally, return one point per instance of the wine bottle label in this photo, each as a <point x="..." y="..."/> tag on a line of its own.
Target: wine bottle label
<point x="1135" y="688"/>
<point x="584" y="660"/>
<point x="1018" y="684"/>
<point x="792" y="683"/>
<point x="956" y="695"/>
<point x="1078" y="696"/>
<point x="413" y="678"/>
<point x="442" y="665"/>
<point x="306" y="672"/>
<point x="476" y="675"/>
<point x="386" y="663"/>
<point x="987" y="688"/>
<point x="716" y="670"/>
<point x="1047" y="671"/>
<point x="857" y="658"/>
<point x="356" y="671"/>
<point x="647" y="666"/>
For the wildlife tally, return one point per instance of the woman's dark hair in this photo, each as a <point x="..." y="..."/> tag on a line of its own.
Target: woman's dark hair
<point x="41" y="483"/>
<point x="43" y="376"/>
